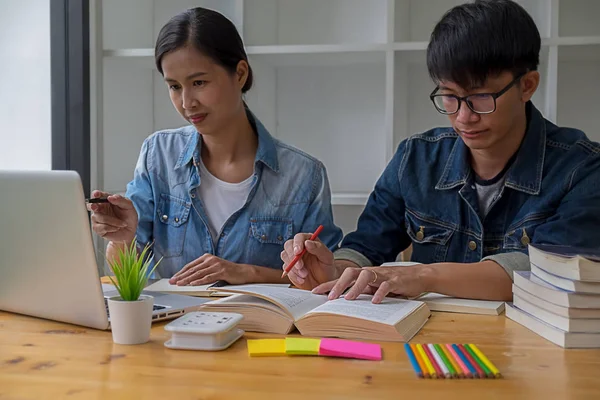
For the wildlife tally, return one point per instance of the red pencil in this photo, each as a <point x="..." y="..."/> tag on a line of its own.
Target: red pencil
<point x="435" y="365"/>
<point x="299" y="256"/>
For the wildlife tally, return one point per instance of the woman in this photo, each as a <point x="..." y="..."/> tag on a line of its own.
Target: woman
<point x="219" y="198"/>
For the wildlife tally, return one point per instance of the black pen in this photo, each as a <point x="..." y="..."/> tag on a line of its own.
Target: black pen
<point x="97" y="200"/>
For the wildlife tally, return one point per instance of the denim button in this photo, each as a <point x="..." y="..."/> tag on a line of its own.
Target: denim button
<point x="165" y="217"/>
<point x="472" y="245"/>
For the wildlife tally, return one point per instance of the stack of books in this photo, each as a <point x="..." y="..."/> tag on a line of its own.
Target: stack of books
<point x="560" y="298"/>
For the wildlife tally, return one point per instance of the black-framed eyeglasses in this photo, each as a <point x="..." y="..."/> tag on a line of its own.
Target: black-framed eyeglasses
<point x="479" y="103"/>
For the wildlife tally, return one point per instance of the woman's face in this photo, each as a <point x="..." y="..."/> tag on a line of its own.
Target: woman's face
<point x="203" y="92"/>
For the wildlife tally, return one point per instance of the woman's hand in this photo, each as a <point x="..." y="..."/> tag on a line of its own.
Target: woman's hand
<point x="209" y="269"/>
<point x="116" y="220"/>
<point x="314" y="268"/>
<point x="378" y="281"/>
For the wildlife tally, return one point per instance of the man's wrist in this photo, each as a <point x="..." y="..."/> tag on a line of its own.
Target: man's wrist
<point x="429" y="277"/>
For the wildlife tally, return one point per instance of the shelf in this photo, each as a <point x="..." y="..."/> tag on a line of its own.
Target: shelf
<point x="350" y="52"/>
<point x="349" y="199"/>
<point x="575" y="41"/>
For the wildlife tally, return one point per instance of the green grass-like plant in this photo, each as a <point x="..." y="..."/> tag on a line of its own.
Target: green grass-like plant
<point x="131" y="271"/>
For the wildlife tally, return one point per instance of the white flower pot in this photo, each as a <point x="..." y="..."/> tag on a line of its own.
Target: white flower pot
<point x="131" y="321"/>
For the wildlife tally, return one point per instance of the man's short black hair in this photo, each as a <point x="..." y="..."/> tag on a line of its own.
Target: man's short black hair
<point x="485" y="38"/>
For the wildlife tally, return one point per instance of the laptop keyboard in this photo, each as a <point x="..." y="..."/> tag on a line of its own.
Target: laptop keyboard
<point x="154" y="308"/>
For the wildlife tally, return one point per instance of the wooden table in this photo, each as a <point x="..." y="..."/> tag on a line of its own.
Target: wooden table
<point x="44" y="359"/>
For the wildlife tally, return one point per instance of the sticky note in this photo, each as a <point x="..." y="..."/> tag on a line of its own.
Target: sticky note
<point x="266" y="347"/>
<point x="350" y="349"/>
<point x="302" y="346"/>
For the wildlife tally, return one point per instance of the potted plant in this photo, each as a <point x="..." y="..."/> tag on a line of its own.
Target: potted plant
<point x="131" y="312"/>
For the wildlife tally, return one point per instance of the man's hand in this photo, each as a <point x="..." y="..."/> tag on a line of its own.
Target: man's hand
<point x="379" y="281"/>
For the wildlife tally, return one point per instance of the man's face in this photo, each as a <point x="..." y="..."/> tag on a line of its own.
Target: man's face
<point x="490" y="131"/>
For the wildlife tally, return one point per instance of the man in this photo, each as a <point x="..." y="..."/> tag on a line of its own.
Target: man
<point x="471" y="198"/>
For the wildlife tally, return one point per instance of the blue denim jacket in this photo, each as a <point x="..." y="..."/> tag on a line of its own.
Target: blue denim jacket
<point x="290" y="193"/>
<point x="426" y="197"/>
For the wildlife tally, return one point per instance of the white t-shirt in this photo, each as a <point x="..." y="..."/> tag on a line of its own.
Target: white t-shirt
<point x="221" y="199"/>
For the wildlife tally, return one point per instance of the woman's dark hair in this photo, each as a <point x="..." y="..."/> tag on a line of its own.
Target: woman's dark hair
<point x="485" y="38"/>
<point x="210" y="33"/>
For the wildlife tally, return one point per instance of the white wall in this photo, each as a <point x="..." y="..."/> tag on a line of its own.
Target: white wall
<point x="25" y="125"/>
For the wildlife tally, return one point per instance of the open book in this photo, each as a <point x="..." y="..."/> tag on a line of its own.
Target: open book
<point x="278" y="310"/>
<point x="211" y="290"/>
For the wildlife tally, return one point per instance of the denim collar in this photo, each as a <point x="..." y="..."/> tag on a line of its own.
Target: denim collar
<point x="524" y="175"/>
<point x="266" y="152"/>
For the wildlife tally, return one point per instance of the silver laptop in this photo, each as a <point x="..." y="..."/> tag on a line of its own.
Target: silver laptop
<point x="47" y="261"/>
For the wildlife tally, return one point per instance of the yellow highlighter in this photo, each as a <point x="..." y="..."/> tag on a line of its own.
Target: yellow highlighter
<point x="266" y="347"/>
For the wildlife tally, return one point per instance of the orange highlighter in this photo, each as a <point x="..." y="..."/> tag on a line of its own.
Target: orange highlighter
<point x="299" y="256"/>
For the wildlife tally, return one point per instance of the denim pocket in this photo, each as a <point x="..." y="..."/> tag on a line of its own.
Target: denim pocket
<point x="172" y="214"/>
<point x="429" y="236"/>
<point x="520" y="234"/>
<point x="271" y="230"/>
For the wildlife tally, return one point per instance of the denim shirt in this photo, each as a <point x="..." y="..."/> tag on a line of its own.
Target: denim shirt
<point x="290" y="194"/>
<point x="426" y="196"/>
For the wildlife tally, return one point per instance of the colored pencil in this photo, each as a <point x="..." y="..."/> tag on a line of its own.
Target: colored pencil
<point x="420" y="361"/>
<point x="432" y="373"/>
<point x="459" y="361"/>
<point x="450" y="367"/>
<point x="480" y="372"/>
<point x="299" y="256"/>
<point x="465" y="360"/>
<point x="413" y="361"/>
<point x="452" y="361"/>
<point x="485" y="360"/>
<point x="484" y="367"/>
<point x="437" y="368"/>
<point x="439" y="361"/>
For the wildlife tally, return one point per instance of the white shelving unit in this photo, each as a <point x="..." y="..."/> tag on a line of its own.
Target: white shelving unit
<point x="344" y="80"/>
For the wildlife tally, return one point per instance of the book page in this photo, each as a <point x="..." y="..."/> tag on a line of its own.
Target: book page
<point x="295" y="302"/>
<point x="246" y="301"/>
<point x="389" y="311"/>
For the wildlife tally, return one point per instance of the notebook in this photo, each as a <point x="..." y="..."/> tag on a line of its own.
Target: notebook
<point x="567" y="262"/>
<point x="551" y="333"/>
<point x="212" y="290"/>
<point x="280" y="310"/>
<point x="552" y="294"/>
<point x="440" y="302"/>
